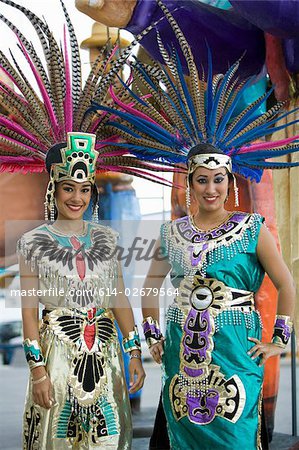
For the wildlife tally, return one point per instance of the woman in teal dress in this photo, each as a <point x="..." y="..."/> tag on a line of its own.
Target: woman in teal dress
<point x="212" y="355"/>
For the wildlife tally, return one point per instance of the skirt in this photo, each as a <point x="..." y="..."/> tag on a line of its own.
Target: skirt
<point x="91" y="407"/>
<point x="212" y="399"/>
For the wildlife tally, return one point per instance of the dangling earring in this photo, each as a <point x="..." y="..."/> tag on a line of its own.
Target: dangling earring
<point x="236" y="191"/>
<point x="50" y="199"/>
<point x="95" y="214"/>
<point x="46" y="212"/>
<point x="52" y="210"/>
<point x="188" y="196"/>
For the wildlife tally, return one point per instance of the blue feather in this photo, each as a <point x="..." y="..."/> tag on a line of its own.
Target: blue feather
<point x="183" y="113"/>
<point x="142" y="125"/>
<point x="154" y="153"/>
<point x="226" y="118"/>
<point x="248" y="172"/>
<point x="128" y="89"/>
<point x="188" y="97"/>
<point x="259" y="132"/>
<point x="221" y="89"/>
<point x="144" y="73"/>
<point x="248" y="116"/>
<point x="209" y="91"/>
<point x="265" y="154"/>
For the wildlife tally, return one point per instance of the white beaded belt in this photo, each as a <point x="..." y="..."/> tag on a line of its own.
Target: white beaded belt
<point x="210" y="293"/>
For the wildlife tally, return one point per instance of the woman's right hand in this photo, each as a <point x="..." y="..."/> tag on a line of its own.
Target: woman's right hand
<point x="42" y="392"/>
<point x="157" y="351"/>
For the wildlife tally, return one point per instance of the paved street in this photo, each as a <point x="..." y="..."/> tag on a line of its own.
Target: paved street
<point x="13" y="381"/>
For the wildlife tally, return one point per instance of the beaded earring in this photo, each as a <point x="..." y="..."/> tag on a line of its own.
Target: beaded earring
<point x="46" y="212"/>
<point x="52" y="211"/>
<point x="236" y="191"/>
<point x="95" y="214"/>
<point x="188" y="195"/>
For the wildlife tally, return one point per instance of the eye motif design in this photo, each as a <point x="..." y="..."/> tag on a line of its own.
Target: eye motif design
<point x="201" y="298"/>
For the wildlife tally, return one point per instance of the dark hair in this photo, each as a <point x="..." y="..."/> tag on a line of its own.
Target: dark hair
<point x="54" y="155"/>
<point x="94" y="196"/>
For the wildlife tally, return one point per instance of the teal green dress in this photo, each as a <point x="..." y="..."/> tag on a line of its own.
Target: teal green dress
<point x="212" y="389"/>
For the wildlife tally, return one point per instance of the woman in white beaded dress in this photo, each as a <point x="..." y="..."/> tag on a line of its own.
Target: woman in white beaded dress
<point x="77" y="395"/>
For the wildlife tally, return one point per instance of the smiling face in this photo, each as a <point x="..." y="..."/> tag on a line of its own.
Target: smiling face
<point x="209" y="187"/>
<point x="72" y="199"/>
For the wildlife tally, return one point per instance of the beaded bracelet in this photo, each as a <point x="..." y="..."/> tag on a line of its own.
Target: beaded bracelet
<point x="282" y="330"/>
<point x="151" y="331"/>
<point x="33" y="353"/>
<point x="132" y="341"/>
<point x="40" y="380"/>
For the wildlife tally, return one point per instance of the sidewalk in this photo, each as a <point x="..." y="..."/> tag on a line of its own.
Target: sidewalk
<point x="282" y="439"/>
<point x="13" y="381"/>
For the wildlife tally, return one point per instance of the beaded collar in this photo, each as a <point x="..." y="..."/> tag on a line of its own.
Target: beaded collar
<point x="189" y="246"/>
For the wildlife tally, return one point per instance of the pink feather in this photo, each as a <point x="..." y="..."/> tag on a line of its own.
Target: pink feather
<point x="108" y="141"/>
<point x="24" y="165"/>
<point x="129" y="109"/>
<point x="137" y="171"/>
<point x="7" y="89"/>
<point x="113" y="52"/>
<point x="267" y="145"/>
<point x="16" y="127"/>
<point x="44" y="93"/>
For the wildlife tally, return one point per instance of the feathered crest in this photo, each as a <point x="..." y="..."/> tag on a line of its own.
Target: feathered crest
<point x="38" y="119"/>
<point x="180" y="114"/>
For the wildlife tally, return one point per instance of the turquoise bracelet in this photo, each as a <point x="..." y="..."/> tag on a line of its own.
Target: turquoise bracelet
<point x="132" y="341"/>
<point x="33" y="353"/>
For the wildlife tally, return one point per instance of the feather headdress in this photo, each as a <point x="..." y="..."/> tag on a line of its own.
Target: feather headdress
<point x="39" y="119"/>
<point x="182" y="115"/>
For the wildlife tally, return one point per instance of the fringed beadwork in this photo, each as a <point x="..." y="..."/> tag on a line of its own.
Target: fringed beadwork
<point x="188" y="196"/>
<point x="52" y="211"/>
<point x="95" y="214"/>
<point x="46" y="212"/>
<point x="207" y="247"/>
<point x="98" y="286"/>
<point x="236" y="191"/>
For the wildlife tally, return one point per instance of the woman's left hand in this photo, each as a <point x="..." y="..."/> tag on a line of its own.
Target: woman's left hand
<point x="263" y="349"/>
<point x="137" y="375"/>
